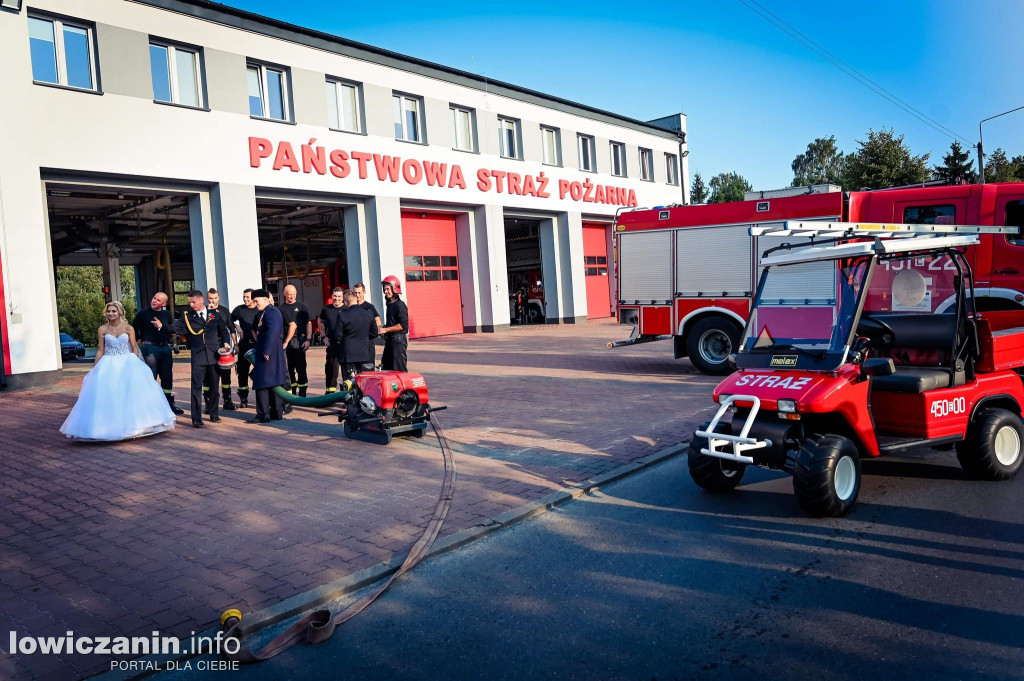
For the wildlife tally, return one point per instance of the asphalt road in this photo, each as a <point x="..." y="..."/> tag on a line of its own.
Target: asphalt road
<point x="652" y="579"/>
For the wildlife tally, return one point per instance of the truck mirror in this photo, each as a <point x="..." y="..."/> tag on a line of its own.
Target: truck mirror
<point x="878" y="366"/>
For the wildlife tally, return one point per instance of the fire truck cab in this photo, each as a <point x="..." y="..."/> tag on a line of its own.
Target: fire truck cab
<point x="688" y="272"/>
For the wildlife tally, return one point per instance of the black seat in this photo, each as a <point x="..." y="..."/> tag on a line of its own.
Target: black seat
<point x="916" y="380"/>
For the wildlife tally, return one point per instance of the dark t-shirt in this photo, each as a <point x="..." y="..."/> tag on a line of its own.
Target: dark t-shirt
<point x="368" y="306"/>
<point x="295" y="312"/>
<point x="397" y="313"/>
<point x="246" y="318"/>
<point x="332" y="321"/>
<point x="146" y="332"/>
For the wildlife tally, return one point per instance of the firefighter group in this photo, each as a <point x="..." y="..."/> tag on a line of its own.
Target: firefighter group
<point x="268" y="343"/>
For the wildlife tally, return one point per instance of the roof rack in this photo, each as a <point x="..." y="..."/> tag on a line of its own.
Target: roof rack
<point x="813" y="228"/>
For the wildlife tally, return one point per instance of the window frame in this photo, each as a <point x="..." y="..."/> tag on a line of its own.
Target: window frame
<point x="919" y="207"/>
<point x="286" y="90"/>
<point x="421" y="127"/>
<point x="418" y="270"/>
<point x="60" y="53"/>
<point x="471" y="112"/>
<point x="672" y="169"/>
<point x="517" y="131"/>
<point x="360" y="104"/>
<point x="612" y="146"/>
<point x="646" y="169"/>
<point x="580" y="137"/>
<point x="557" y="134"/>
<point x="172" y="72"/>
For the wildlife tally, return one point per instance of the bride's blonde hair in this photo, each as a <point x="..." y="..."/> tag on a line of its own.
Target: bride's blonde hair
<point x="116" y="304"/>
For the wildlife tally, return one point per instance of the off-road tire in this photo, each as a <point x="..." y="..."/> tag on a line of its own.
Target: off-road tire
<point x="710" y="472"/>
<point x="826" y="475"/>
<point x="991" y="437"/>
<point x="712" y="331"/>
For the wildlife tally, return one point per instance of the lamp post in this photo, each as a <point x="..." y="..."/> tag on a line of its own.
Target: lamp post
<point x="981" y="152"/>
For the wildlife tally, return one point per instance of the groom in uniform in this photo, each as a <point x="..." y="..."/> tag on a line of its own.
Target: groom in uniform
<point x="206" y="331"/>
<point x="269" y="368"/>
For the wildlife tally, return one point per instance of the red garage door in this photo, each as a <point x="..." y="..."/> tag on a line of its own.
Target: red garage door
<point x="595" y="253"/>
<point x="431" y="275"/>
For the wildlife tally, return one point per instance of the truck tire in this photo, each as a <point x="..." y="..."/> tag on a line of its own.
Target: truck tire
<point x="826" y="475"/>
<point x="710" y="472"/>
<point x="992" y="449"/>
<point x="710" y="341"/>
<point x="536" y="314"/>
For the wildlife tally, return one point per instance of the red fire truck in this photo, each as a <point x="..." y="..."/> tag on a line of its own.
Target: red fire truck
<point x="688" y="272"/>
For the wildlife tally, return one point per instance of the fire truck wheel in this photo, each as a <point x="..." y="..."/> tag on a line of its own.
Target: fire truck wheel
<point x="710" y="472"/>
<point x="709" y="343"/>
<point x="536" y="314"/>
<point x="992" y="449"/>
<point x="826" y="477"/>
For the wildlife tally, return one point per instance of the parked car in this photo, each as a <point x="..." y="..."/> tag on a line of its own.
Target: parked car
<point x="70" y="348"/>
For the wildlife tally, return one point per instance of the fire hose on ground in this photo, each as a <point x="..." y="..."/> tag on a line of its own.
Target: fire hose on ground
<point x="319" y="625"/>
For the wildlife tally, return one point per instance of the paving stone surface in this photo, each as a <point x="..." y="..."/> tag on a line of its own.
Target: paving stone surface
<point x="164" y="533"/>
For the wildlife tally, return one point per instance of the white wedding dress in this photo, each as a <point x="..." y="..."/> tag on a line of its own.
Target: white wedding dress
<point x="120" y="399"/>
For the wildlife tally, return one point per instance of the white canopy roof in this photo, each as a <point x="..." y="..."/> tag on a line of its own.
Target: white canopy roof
<point x="881" y="246"/>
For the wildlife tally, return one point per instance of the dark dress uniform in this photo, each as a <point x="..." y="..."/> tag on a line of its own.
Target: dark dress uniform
<point x="355" y="326"/>
<point x="225" y="372"/>
<point x="267" y="374"/>
<point x="204" y="338"/>
<point x="246" y="318"/>
<point x="375" y="332"/>
<point x="155" y="345"/>
<point x="396" y="343"/>
<point x="298" y="313"/>
<point x="331" y="317"/>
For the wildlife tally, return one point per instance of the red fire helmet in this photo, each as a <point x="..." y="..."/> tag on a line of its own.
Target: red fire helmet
<point x="392" y="280"/>
<point x="225" y="358"/>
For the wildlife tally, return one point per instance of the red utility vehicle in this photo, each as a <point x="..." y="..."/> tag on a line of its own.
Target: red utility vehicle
<point x="844" y="357"/>
<point x="688" y="272"/>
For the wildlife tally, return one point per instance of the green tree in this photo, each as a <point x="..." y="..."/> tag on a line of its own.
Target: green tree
<point x="999" y="168"/>
<point x="699" y="190"/>
<point x="822" y="163"/>
<point x="957" y="166"/>
<point x="728" y="187"/>
<point x="1018" y="164"/>
<point x="883" y="161"/>
<point x="80" y="299"/>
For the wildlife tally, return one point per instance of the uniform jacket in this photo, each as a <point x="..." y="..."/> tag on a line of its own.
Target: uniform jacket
<point x="204" y="339"/>
<point x="269" y="339"/>
<point x="357" y="325"/>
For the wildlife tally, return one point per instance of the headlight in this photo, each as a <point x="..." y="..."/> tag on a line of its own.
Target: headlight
<point x="787" y="406"/>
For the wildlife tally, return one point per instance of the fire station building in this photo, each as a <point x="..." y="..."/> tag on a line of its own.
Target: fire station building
<point x="205" y="146"/>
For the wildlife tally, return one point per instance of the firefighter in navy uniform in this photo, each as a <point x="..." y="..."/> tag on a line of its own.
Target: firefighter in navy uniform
<point x="396" y="327"/>
<point x="245" y="316"/>
<point x="355" y="326"/>
<point x="213" y="303"/>
<point x="205" y="332"/>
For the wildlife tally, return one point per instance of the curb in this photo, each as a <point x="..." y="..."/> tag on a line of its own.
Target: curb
<point x="150" y="665"/>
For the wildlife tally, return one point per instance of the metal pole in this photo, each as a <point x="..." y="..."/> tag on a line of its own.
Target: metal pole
<point x="981" y="153"/>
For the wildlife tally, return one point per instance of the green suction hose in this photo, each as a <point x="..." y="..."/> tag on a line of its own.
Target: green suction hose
<point x="315" y="401"/>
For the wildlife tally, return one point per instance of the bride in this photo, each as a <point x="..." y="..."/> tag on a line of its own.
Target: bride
<point x="119" y="398"/>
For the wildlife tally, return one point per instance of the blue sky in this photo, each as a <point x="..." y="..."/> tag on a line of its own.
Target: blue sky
<point x="753" y="96"/>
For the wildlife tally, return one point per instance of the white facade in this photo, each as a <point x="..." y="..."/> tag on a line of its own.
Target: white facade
<point x="217" y="155"/>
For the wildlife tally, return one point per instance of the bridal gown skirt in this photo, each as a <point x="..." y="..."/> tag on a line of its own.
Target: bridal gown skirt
<point x="119" y="401"/>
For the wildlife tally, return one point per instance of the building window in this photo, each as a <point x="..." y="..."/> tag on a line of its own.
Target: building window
<point x="408" y="118"/>
<point x="585" y="143"/>
<point x="1014" y="218"/>
<point x="618" y="159"/>
<point x="930" y="215"/>
<point x="344" y="106"/>
<point x="463" y="129"/>
<point x="672" y="168"/>
<point x="508" y="137"/>
<point x="597" y="266"/>
<point x="646" y="165"/>
<point x="551" y="144"/>
<point x="431" y="268"/>
<point x="268" y="92"/>
<point x="177" y="74"/>
<point x="62" y="53"/>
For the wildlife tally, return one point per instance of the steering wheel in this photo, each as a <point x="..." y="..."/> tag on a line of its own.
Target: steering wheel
<point x="886" y="329"/>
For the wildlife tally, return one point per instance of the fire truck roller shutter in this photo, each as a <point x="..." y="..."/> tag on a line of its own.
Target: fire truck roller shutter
<point x="433" y="293"/>
<point x="645" y="267"/>
<point x="713" y="261"/>
<point x="595" y="255"/>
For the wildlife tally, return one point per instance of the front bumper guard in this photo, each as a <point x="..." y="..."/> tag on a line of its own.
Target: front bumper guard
<point x="740" y="443"/>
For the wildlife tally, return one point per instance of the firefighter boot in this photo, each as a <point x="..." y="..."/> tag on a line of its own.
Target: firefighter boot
<point x="243" y="398"/>
<point x="228" y="404"/>
<point x="208" y="409"/>
<point x="170" y="403"/>
<point x="302" y="389"/>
